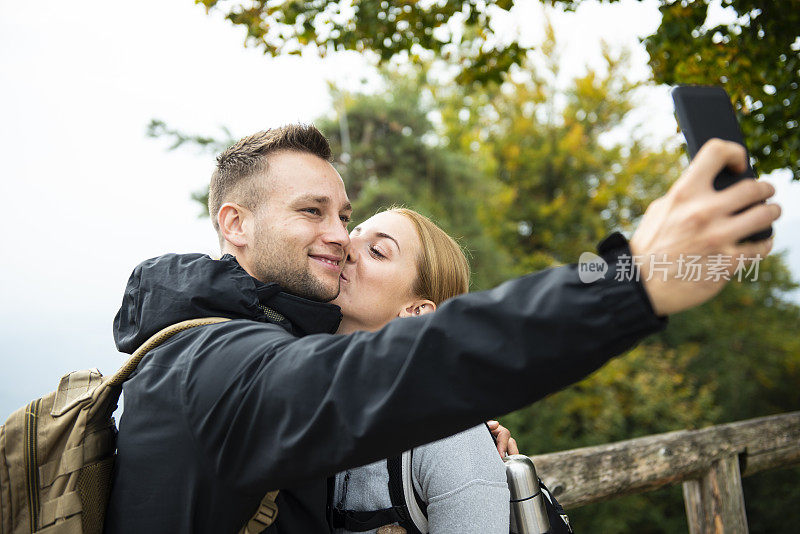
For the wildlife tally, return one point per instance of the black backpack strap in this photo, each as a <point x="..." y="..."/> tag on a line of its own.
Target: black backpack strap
<point x="363" y="521"/>
<point x="398" y="491"/>
<point x="395" y="467"/>
<point x="422" y="505"/>
<point x="358" y="521"/>
<point x="559" y="522"/>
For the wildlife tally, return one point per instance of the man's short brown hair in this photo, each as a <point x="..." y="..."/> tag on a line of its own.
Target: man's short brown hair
<point x="247" y="158"/>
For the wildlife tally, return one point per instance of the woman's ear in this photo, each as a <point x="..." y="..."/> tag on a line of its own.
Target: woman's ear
<point x="417" y="308"/>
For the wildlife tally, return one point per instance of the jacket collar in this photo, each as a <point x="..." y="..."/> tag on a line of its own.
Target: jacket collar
<point x="175" y="287"/>
<point x="300" y="316"/>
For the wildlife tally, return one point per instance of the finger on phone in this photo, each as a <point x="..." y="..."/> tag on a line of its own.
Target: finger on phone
<point x="743" y="194"/>
<point x="714" y="156"/>
<point x="512" y="446"/>
<point x="751" y="220"/>
<point x="747" y="253"/>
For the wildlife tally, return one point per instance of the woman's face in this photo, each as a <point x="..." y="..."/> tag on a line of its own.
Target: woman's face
<point x="379" y="273"/>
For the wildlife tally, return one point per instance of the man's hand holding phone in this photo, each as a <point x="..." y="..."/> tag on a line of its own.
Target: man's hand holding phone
<point x="694" y="219"/>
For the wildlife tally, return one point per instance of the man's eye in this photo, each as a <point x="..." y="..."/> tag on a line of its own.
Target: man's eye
<point x="345" y="219"/>
<point x="376" y="252"/>
<point x="313" y="211"/>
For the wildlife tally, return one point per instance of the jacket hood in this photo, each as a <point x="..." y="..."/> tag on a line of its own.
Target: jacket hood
<point x="175" y="287"/>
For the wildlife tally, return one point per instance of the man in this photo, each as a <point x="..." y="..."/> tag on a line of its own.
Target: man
<point x="219" y="415"/>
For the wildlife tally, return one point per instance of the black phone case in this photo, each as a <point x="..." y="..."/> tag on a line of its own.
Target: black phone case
<point x="705" y="112"/>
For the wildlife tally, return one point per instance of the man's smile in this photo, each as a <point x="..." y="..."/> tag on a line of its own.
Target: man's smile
<point x="328" y="261"/>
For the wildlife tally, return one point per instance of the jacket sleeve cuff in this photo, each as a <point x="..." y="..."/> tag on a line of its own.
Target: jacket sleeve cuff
<point x="616" y="251"/>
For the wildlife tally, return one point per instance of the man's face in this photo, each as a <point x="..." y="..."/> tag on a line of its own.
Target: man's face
<point x="300" y="230"/>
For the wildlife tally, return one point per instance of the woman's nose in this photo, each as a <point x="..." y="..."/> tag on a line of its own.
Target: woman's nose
<point x="350" y="253"/>
<point x="352" y="250"/>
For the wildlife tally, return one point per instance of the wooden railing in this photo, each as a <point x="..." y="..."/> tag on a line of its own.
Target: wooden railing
<point x="709" y="462"/>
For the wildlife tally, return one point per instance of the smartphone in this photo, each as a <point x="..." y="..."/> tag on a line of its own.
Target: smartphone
<point x="704" y="112"/>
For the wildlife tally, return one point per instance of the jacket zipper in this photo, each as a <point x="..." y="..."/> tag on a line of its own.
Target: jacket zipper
<point x="31" y="463"/>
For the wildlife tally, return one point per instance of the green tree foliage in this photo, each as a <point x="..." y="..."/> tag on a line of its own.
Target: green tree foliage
<point x="746" y="344"/>
<point x="570" y="173"/>
<point x="208" y="144"/>
<point x="756" y="58"/>
<point x="459" y="31"/>
<point x="158" y="129"/>
<point x="392" y="155"/>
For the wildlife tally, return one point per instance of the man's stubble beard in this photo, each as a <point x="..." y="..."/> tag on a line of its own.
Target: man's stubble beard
<point x="273" y="263"/>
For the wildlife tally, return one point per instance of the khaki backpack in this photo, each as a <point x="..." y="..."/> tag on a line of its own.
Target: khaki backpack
<point x="57" y="453"/>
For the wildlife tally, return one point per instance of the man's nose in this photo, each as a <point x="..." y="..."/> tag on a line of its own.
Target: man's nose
<point x="336" y="233"/>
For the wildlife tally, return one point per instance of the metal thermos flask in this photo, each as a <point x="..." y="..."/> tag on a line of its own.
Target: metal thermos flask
<point x="528" y="512"/>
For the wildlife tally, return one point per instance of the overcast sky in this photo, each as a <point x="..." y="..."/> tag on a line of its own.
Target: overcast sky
<point x="87" y="196"/>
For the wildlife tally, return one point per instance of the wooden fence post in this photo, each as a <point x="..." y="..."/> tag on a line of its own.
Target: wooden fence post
<point x="715" y="502"/>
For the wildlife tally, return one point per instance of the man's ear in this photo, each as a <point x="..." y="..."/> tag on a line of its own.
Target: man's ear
<point x="417" y="308"/>
<point x="234" y="224"/>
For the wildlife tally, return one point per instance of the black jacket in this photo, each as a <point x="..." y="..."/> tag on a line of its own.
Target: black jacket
<point x="219" y="415"/>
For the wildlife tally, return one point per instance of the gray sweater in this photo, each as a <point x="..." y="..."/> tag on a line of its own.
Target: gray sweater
<point x="461" y="478"/>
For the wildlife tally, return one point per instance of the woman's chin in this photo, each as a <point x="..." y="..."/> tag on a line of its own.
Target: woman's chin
<point x="350" y="312"/>
<point x="341" y="302"/>
<point x="343" y="298"/>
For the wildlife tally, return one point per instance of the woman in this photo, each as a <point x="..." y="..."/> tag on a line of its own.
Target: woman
<point x="402" y="265"/>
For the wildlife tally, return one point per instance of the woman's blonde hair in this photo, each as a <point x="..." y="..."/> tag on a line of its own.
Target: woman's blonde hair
<point x="442" y="268"/>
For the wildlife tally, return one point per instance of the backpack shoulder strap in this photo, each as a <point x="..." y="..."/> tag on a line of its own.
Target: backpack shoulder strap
<point x="408" y="509"/>
<point x="265" y="515"/>
<point x="155" y="340"/>
<point x="401" y="481"/>
<point x="559" y="521"/>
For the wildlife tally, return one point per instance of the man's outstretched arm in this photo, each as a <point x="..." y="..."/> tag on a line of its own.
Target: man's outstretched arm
<point x="273" y="410"/>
